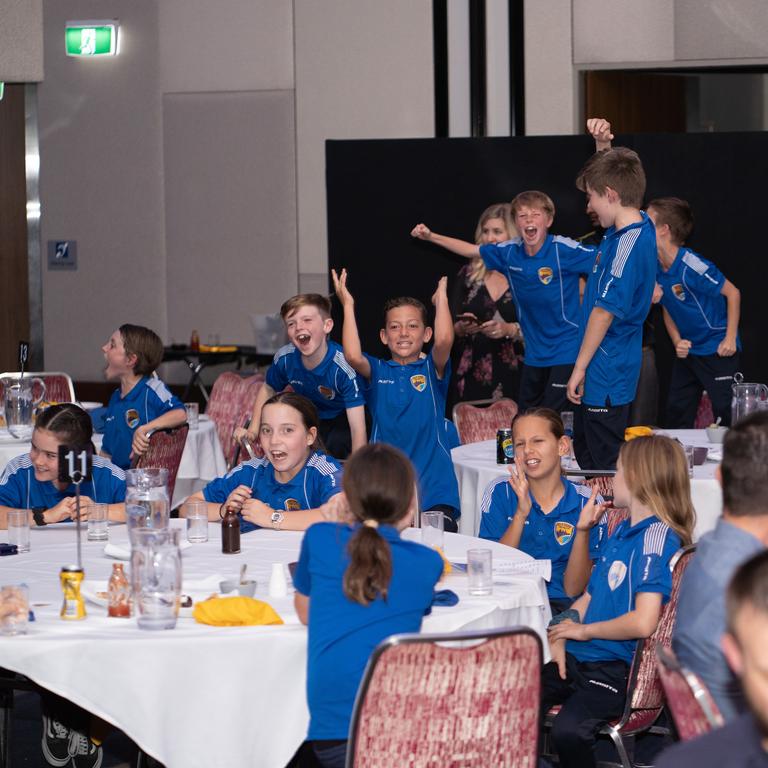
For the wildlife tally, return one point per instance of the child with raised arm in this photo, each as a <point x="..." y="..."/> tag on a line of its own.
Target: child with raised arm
<point x="315" y="367"/>
<point x="536" y="509"/>
<point x="616" y="302"/>
<point x="593" y="644"/>
<point x="701" y="313"/>
<point x="356" y="584"/>
<point x="407" y="393"/>
<point x="543" y="272"/>
<point x="142" y="403"/>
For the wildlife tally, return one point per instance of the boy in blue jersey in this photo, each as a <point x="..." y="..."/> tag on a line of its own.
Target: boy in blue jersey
<point x="407" y="393"/>
<point x="701" y="313"/>
<point x="616" y="301"/>
<point x="543" y="271"/>
<point x="315" y="367"/>
<point x="142" y="403"/>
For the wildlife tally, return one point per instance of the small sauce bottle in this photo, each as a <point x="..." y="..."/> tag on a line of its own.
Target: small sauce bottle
<point x="230" y="532"/>
<point x="194" y="342"/>
<point x="119" y="593"/>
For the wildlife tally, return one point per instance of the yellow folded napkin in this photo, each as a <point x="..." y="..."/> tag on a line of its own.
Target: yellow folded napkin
<point x="630" y="433"/>
<point x="235" y="612"/>
<point x="447" y="567"/>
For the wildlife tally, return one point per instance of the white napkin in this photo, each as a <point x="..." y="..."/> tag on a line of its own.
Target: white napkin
<point x="124" y="553"/>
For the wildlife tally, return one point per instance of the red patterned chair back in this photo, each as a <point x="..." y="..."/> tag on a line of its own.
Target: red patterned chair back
<point x="164" y="452"/>
<point x="58" y="386"/>
<point x="477" y="424"/>
<point x="704" y="414"/>
<point x="693" y="708"/>
<point x="614" y="516"/>
<point x="425" y="704"/>
<point x="604" y="485"/>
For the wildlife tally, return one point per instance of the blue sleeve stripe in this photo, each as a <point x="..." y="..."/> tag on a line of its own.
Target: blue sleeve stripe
<point x="485" y="503"/>
<point x="341" y="361"/>
<point x="626" y="243"/>
<point x="655" y="538"/>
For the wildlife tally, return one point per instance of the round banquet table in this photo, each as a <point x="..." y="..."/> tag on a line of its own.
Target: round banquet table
<point x="475" y="466"/>
<point x="202" y="459"/>
<point x="210" y="696"/>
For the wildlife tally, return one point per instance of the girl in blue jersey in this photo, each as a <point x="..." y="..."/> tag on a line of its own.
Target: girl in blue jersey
<point x="284" y="489"/>
<point x="536" y="509"/>
<point x="356" y="584"/>
<point x="592" y="647"/>
<point x="31" y="481"/>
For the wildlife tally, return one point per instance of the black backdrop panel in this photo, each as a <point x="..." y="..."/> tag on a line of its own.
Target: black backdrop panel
<point x="378" y="190"/>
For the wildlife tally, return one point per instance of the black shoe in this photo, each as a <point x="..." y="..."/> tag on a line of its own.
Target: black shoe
<point x="55" y="742"/>
<point x="85" y="754"/>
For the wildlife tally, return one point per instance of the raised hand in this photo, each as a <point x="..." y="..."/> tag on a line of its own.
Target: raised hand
<point x="421" y="231"/>
<point x="590" y="513"/>
<point x="519" y="482"/>
<point x="600" y="130"/>
<point x="340" y="287"/>
<point x="441" y="292"/>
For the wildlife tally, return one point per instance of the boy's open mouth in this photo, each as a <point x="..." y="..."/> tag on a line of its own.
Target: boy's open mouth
<point x="531" y="231"/>
<point x="303" y="338"/>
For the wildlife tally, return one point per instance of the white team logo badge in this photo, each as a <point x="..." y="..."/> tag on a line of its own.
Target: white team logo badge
<point x="616" y="574"/>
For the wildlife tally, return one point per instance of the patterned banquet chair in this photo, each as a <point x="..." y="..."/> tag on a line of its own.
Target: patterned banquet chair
<point x="58" y="386"/>
<point x="477" y="424"/>
<point x="422" y="703"/>
<point x="165" y="449"/>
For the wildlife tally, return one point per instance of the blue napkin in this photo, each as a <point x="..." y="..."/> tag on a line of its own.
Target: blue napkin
<point x="445" y="597"/>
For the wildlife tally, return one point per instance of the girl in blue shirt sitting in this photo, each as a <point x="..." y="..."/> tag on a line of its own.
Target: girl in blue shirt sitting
<point x="31" y="481"/>
<point x="286" y="488"/>
<point x="356" y="584"/>
<point x="593" y="644"/>
<point x="536" y="509"/>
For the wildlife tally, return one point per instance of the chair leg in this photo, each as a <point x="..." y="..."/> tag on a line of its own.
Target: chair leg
<point x="621" y="745"/>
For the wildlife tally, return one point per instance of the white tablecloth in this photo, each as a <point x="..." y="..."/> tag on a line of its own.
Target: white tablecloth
<point x="475" y="466"/>
<point x="199" y="695"/>
<point x="201" y="462"/>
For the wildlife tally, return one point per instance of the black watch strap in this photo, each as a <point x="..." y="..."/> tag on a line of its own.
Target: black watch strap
<point x="38" y="514"/>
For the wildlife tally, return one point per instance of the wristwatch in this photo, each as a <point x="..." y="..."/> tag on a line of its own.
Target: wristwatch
<point x="277" y="518"/>
<point x="38" y="515"/>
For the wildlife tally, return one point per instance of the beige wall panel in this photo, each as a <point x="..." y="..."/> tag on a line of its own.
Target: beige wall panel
<point x="21" y="41"/>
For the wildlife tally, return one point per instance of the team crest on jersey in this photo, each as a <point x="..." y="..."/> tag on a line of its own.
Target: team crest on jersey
<point x="132" y="418"/>
<point x="616" y="574"/>
<point x="677" y="289"/>
<point x="291" y="505"/>
<point x="326" y="392"/>
<point x="545" y="275"/>
<point x="419" y="382"/>
<point x="563" y="532"/>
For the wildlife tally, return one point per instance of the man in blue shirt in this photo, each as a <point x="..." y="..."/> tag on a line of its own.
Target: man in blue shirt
<point x="407" y="393"/>
<point x="740" y="533"/>
<point x="742" y="742"/>
<point x="616" y="302"/>
<point x="701" y="313"/>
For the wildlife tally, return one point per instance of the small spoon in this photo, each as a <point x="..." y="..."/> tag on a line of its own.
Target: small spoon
<point x="243" y="569"/>
<point x="719" y="419"/>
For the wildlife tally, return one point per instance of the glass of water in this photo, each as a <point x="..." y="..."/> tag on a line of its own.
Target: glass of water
<point x="480" y="571"/>
<point x="156" y="577"/>
<point x="18" y="529"/>
<point x="432" y="529"/>
<point x="98" y="515"/>
<point x="193" y="414"/>
<point x="196" y="512"/>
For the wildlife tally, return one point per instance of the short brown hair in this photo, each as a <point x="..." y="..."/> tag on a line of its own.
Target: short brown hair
<point x="744" y="468"/>
<point x="532" y="198"/>
<point x="618" y="168"/>
<point x="553" y="418"/>
<point x="406" y="301"/>
<point x="748" y="585"/>
<point x="145" y="344"/>
<point x="323" y="304"/>
<point x="379" y="483"/>
<point x="70" y="424"/>
<point x="676" y="214"/>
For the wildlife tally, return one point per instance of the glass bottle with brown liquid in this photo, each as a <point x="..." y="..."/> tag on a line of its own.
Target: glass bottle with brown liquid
<point x="230" y="532"/>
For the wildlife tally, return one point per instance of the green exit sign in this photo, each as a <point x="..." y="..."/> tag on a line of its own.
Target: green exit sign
<point x="91" y="38"/>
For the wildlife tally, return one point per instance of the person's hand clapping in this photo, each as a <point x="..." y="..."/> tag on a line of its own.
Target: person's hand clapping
<point x="590" y="513"/>
<point x="519" y="482"/>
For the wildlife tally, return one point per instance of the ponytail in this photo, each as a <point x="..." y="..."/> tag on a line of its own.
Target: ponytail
<point x="370" y="568"/>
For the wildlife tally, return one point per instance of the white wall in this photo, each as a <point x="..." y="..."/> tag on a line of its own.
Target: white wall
<point x="21" y="41"/>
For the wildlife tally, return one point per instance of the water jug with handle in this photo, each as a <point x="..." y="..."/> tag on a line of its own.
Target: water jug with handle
<point x="20" y="402"/>
<point x="747" y="398"/>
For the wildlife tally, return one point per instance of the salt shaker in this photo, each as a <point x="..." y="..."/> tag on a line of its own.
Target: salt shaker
<point x="278" y="586"/>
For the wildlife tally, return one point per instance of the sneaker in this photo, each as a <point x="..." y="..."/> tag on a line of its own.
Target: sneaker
<point x="85" y="754"/>
<point x="55" y="742"/>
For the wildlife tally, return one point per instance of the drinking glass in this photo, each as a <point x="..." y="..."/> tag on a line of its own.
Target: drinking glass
<point x="18" y="529"/>
<point x="480" y="571"/>
<point x="432" y="529"/>
<point x="196" y="512"/>
<point x="97" y="522"/>
<point x="14" y="609"/>
<point x="156" y="577"/>
<point x="19" y="403"/>
<point x="193" y="414"/>
<point x="147" y="504"/>
<point x="690" y="454"/>
<point x="567" y="417"/>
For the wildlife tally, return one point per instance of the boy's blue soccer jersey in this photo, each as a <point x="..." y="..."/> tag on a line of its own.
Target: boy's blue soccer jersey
<point x="634" y="559"/>
<point x="621" y="282"/>
<point x="319" y="479"/>
<point x="545" y="536"/>
<point x="407" y="405"/>
<point x="148" y="399"/>
<point x="343" y="633"/>
<point x="19" y="489"/>
<point x="692" y="296"/>
<point x="545" y="289"/>
<point x="333" y="386"/>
